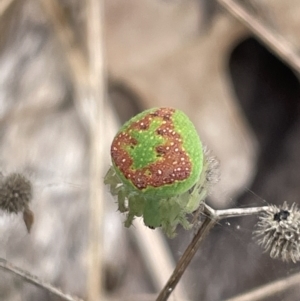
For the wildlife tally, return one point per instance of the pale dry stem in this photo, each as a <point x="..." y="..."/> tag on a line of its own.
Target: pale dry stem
<point x="9" y="267"/>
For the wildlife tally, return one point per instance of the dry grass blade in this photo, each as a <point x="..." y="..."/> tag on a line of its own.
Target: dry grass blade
<point x="274" y="41"/>
<point x="268" y="290"/>
<point x="89" y="82"/>
<point x="5" y="265"/>
<point x="157" y="257"/>
<point x="97" y="143"/>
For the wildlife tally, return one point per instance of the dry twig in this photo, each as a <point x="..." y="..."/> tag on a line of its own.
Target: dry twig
<point x="97" y="84"/>
<point x="269" y="290"/>
<point x="5" y="265"/>
<point x="211" y="218"/>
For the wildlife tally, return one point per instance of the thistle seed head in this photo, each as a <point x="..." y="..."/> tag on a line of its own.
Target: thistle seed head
<point x="15" y="193"/>
<point x="278" y="231"/>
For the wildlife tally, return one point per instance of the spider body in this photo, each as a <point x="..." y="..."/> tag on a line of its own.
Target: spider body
<point x="158" y="169"/>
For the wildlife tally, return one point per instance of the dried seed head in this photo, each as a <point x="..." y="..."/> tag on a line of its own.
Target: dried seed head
<point x="15" y="193"/>
<point x="278" y="231"/>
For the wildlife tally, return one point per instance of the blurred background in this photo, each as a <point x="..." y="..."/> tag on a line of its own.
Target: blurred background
<point x="71" y="72"/>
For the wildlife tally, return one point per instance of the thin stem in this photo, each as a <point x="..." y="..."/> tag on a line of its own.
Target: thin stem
<point x="88" y="74"/>
<point x="211" y="218"/>
<point x="208" y="223"/>
<point x="234" y="212"/>
<point x="5" y="265"/>
<point x="96" y="119"/>
<point x="268" y="290"/>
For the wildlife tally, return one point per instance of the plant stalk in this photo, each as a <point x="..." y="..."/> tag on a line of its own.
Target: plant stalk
<point x="208" y="223"/>
<point x="211" y="218"/>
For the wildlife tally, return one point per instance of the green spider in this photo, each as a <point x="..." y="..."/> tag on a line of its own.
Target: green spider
<point x="159" y="169"/>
